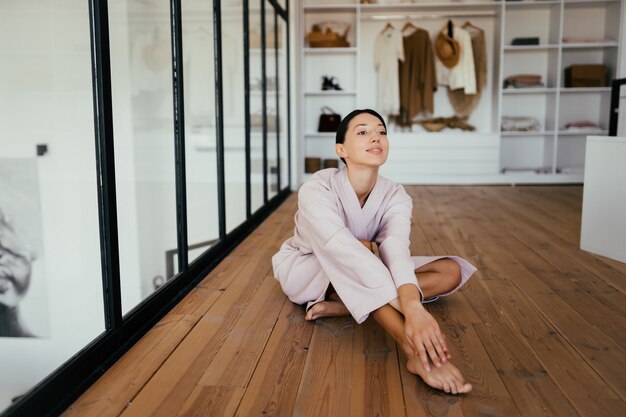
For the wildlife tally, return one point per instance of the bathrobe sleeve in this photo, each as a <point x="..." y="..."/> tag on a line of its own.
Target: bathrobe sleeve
<point x="393" y="239"/>
<point x="352" y="269"/>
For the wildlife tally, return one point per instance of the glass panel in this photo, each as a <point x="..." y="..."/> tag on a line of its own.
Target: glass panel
<point x="144" y="146"/>
<point x="199" y="80"/>
<point x="256" y="105"/>
<point x="50" y="273"/>
<point x="272" y="104"/>
<point x="234" y="115"/>
<point x="283" y="110"/>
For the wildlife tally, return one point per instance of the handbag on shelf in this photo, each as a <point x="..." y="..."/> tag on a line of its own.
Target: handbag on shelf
<point x="329" y="120"/>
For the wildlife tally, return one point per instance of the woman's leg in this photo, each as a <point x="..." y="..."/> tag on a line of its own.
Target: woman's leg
<point x="332" y="306"/>
<point x="438" y="277"/>
<point x="446" y="378"/>
<point x="435" y="278"/>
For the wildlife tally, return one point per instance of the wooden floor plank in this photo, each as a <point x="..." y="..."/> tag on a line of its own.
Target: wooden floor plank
<point x="238" y="356"/>
<point x="489" y="393"/>
<point x="133" y="370"/>
<point x="168" y="390"/>
<point x="571" y="258"/>
<point x="325" y="386"/>
<point x="584" y="388"/>
<point x="273" y="388"/>
<point x="376" y="387"/>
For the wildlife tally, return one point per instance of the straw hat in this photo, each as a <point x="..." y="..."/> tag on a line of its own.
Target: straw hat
<point x="447" y="49"/>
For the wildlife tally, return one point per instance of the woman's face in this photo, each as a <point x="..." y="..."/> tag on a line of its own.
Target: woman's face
<point x="365" y="143"/>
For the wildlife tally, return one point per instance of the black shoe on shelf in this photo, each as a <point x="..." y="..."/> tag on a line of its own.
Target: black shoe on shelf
<point x="330" y="83"/>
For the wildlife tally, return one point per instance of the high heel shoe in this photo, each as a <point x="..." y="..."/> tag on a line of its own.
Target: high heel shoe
<point x="330" y="83"/>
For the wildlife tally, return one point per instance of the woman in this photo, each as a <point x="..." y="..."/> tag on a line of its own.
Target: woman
<point x="329" y="263"/>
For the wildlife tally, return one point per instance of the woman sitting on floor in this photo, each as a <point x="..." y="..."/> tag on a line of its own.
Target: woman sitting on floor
<point x="329" y="263"/>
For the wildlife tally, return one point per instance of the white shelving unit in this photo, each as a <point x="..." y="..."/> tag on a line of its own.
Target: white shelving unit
<point x="557" y="151"/>
<point x="552" y="155"/>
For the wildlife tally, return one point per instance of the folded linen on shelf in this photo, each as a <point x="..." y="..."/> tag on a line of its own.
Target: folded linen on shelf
<point x="583" y="39"/>
<point x="582" y="126"/>
<point x="520" y="124"/>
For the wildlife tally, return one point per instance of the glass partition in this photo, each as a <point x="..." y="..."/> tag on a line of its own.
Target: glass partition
<point x="271" y="92"/>
<point x="283" y="109"/>
<point x="51" y="302"/>
<point x="141" y="84"/>
<point x="200" y="126"/>
<point x="256" y="104"/>
<point x="234" y="113"/>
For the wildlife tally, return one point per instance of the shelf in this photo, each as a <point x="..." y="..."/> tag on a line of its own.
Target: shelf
<point x="527" y="3"/>
<point x="315" y="51"/>
<point x="514" y="91"/>
<point x="320" y="135"/>
<point x="418" y="6"/>
<point x="588" y="45"/>
<point x="589" y="1"/>
<point x="566" y="90"/>
<point x="326" y="8"/>
<point x="523" y="134"/>
<point x="515" y="48"/>
<point x="330" y="93"/>
<point x="581" y="133"/>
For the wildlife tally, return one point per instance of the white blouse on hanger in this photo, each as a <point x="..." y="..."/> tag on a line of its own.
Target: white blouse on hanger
<point x="388" y="50"/>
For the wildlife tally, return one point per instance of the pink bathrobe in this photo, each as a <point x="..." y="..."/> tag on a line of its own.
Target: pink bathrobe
<point x="325" y="247"/>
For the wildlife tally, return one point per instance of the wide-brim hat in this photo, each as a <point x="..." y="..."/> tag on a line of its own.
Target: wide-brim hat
<point x="447" y="49"/>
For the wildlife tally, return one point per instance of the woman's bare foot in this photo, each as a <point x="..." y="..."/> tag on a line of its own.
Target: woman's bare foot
<point x="446" y="378"/>
<point x="332" y="307"/>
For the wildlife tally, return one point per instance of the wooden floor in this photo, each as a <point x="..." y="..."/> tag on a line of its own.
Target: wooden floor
<point x="540" y="330"/>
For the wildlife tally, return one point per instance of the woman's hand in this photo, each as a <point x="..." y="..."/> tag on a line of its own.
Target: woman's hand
<point x="421" y="331"/>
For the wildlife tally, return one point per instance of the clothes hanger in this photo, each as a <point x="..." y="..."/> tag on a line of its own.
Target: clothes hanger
<point x="408" y="25"/>
<point x="388" y="26"/>
<point x="469" y="24"/>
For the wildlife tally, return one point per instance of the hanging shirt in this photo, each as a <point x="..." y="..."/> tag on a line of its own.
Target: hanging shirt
<point x="463" y="74"/>
<point x="388" y="50"/>
<point x="326" y="247"/>
<point x="418" y="79"/>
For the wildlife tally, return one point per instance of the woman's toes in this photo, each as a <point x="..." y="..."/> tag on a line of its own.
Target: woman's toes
<point x="446" y="387"/>
<point x="453" y="387"/>
<point x="313" y="312"/>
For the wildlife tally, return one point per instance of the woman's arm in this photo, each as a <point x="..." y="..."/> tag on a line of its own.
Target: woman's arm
<point x="422" y="332"/>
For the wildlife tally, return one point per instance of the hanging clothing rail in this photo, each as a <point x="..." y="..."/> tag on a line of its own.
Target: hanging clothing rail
<point x="427" y="15"/>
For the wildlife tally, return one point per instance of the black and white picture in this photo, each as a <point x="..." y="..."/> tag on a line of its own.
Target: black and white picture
<point x="23" y="301"/>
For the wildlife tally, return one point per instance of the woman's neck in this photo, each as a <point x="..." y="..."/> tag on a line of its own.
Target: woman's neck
<point x="362" y="181"/>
